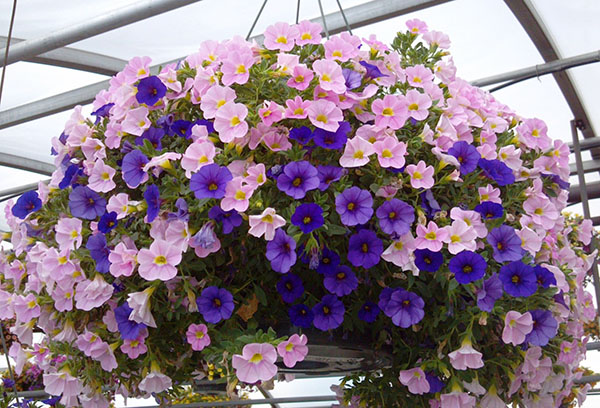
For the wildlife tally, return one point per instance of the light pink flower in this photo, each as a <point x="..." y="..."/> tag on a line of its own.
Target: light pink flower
<point x="205" y="242"/>
<point x="325" y="115"/>
<point x="68" y="233"/>
<point x="63" y="297"/>
<point x="530" y="240"/>
<point x="155" y="382"/>
<point x="120" y="204"/>
<point x="431" y="237"/>
<point x="415" y="380"/>
<point x="337" y="48"/>
<point x="140" y="303"/>
<point x="391" y="111"/>
<point x="257" y="363"/>
<point x="457" y="399"/>
<point x="390" y="152"/>
<point x="215" y="97"/>
<point x="416" y="26"/>
<point x="280" y="36"/>
<point x="308" y="33"/>
<point x="301" y="77"/>
<point x="421" y="175"/>
<point x="516" y="327"/>
<point x="460" y="237"/>
<point x="178" y="234"/>
<point x="196" y="156"/>
<point x="330" y="76"/>
<point x="265" y="224"/>
<point x="399" y="252"/>
<point x="93" y="149"/>
<point x="90" y="294"/>
<point x="418" y="104"/>
<point x="236" y="68"/>
<point x="62" y="383"/>
<point x="533" y="133"/>
<point x="491" y="399"/>
<point x="136" y="121"/>
<point x="466" y="357"/>
<point x="293" y="350"/>
<point x="418" y="75"/>
<point x="277" y="140"/>
<point x="510" y="156"/>
<point x="296" y="108"/>
<point x="164" y="161"/>
<point x="356" y="152"/>
<point x="489" y="193"/>
<point x="287" y="62"/>
<point x="26" y="307"/>
<point x="237" y="195"/>
<point x="137" y="347"/>
<point x="541" y="211"/>
<point x="256" y="176"/>
<point x="197" y="336"/>
<point x="437" y="38"/>
<point x="101" y="178"/>
<point x="123" y="260"/>
<point x="270" y="113"/>
<point x="159" y="261"/>
<point x="471" y="218"/>
<point x="230" y="123"/>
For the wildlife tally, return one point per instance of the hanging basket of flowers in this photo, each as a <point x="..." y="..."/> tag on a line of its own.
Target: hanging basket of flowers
<point x="205" y="219"/>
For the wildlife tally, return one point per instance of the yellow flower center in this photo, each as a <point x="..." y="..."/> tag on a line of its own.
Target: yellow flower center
<point x="240" y="195"/>
<point x="199" y="334"/>
<point x="267" y="218"/>
<point x="413" y="106"/>
<point x="359" y="154"/>
<point x="62" y="260"/>
<point x="337" y="53"/>
<point x="417" y="175"/>
<point x="256" y="358"/>
<point x="221" y="103"/>
<point x="387" y="112"/>
<point x="241" y="69"/>
<point x="289" y="347"/>
<point x="306" y="36"/>
<point x="160" y="260"/>
<point x="386" y="153"/>
<point x="234" y="121"/>
<point x="430" y="235"/>
<point x="298" y="111"/>
<point x="282" y="40"/>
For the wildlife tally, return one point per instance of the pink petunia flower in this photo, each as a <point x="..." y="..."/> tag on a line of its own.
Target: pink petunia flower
<point x="416" y="26"/>
<point x="236" y="68"/>
<point x="325" y="115"/>
<point x="489" y="193"/>
<point x="431" y="238"/>
<point x="336" y="48"/>
<point x="230" y="123"/>
<point x="293" y="350"/>
<point x="437" y="38"/>
<point x="256" y="175"/>
<point x="197" y="336"/>
<point x="270" y="113"/>
<point x="237" y="195"/>
<point x="418" y="104"/>
<point x="280" y="36"/>
<point x="123" y="260"/>
<point x="466" y="357"/>
<point x="400" y="251"/>
<point x="178" y="234"/>
<point x="197" y="155"/>
<point x="155" y="381"/>
<point x="301" y="77"/>
<point x="330" y="76"/>
<point x="277" y="140"/>
<point x="421" y="175"/>
<point x="390" y="152"/>
<point x="265" y="224"/>
<point x="533" y="133"/>
<point x="457" y="399"/>
<point x="62" y="383"/>
<point x="159" y="261"/>
<point x="516" y="327"/>
<point x="308" y="33"/>
<point x="215" y="97"/>
<point x="63" y="297"/>
<point x="391" y="111"/>
<point x="460" y="237"/>
<point x="120" y="204"/>
<point x="137" y="347"/>
<point x="257" y="363"/>
<point x="287" y="62"/>
<point x="356" y="152"/>
<point x="542" y="212"/>
<point x="471" y="218"/>
<point x="530" y="240"/>
<point x="418" y="75"/>
<point x="26" y="307"/>
<point x="90" y="294"/>
<point x="415" y="380"/>
<point x="296" y="108"/>
<point x="139" y="302"/>
<point x="136" y="121"/>
<point x="68" y="233"/>
<point x="101" y="178"/>
<point x="58" y="264"/>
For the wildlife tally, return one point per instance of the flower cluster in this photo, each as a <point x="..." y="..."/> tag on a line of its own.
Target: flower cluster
<point x="334" y="185"/>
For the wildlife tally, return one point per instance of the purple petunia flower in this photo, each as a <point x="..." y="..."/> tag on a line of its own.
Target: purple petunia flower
<point x="72" y="173"/>
<point x="365" y="249"/>
<point x="150" y="90"/>
<point x="332" y="140"/>
<point x="99" y="252"/>
<point x="329" y="313"/>
<point x="329" y="174"/>
<point x="518" y="279"/>
<point x="26" y="204"/>
<point x="384" y="297"/>
<point x="544" y="277"/>
<point x="227" y="219"/>
<point x="290" y="287"/>
<point x="405" y="308"/>
<point x="153" y="135"/>
<point x="215" y="304"/>
<point x="133" y="168"/>
<point x="368" y="312"/>
<point x="427" y="260"/>
<point x="129" y="329"/>
<point x="298" y="178"/>
<point x="497" y="171"/>
<point x="429" y="204"/>
<point x="506" y="244"/>
<point x="182" y="211"/>
<point x="308" y="217"/>
<point x="466" y="154"/>
<point x="281" y="251"/>
<point x="435" y="384"/>
<point x="340" y="282"/>
<point x="180" y="128"/>
<point x="372" y="70"/>
<point x="352" y="78"/>
<point x="108" y="222"/>
<point x="85" y="203"/>
<point x="355" y="206"/>
<point x="489" y="293"/>
<point x="329" y="261"/>
<point x="210" y="182"/>
<point x="302" y="135"/>
<point x="395" y="217"/>
<point x="301" y="316"/>
<point x="489" y="210"/>
<point x="152" y="197"/>
<point x="545" y="328"/>
<point x="467" y="267"/>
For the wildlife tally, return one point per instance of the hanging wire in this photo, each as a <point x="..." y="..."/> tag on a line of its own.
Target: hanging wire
<point x="344" y="17"/>
<point x="256" y="19"/>
<point x="298" y="12"/>
<point x="10" y="370"/>
<point x="324" y="22"/>
<point x="10" y="28"/>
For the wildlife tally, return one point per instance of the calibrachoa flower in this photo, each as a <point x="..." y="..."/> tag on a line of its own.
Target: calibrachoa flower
<point x="415" y="380"/>
<point x="505" y="243"/>
<point x="265" y="224"/>
<point x="297" y="179"/>
<point x="197" y="336"/>
<point x="329" y="313"/>
<point x="340" y="282"/>
<point x="395" y="217"/>
<point x="544" y="327"/>
<point x="215" y="304"/>
<point x="466" y="357"/>
<point x="210" y="182"/>
<point x="391" y="111"/>
<point x="293" y="350"/>
<point x="430" y="237"/>
<point x="85" y="203"/>
<point x="257" y="363"/>
<point x="355" y="206"/>
<point x="467" y="267"/>
<point x="365" y="249"/>
<point x="516" y="327"/>
<point x="421" y="175"/>
<point x="428" y="261"/>
<point x="308" y="217"/>
<point x="159" y="261"/>
<point x="281" y="251"/>
<point x="518" y="279"/>
<point x="290" y="287"/>
<point x="301" y="315"/>
<point x="404" y="308"/>
<point x="132" y="167"/>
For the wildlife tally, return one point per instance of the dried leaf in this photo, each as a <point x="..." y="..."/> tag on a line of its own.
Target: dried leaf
<point x="247" y="310"/>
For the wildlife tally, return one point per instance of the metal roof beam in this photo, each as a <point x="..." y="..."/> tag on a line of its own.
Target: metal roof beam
<point x="23" y="163"/>
<point x="358" y="16"/>
<point x="75" y="59"/>
<point x="90" y="28"/>
<point x="533" y="25"/>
